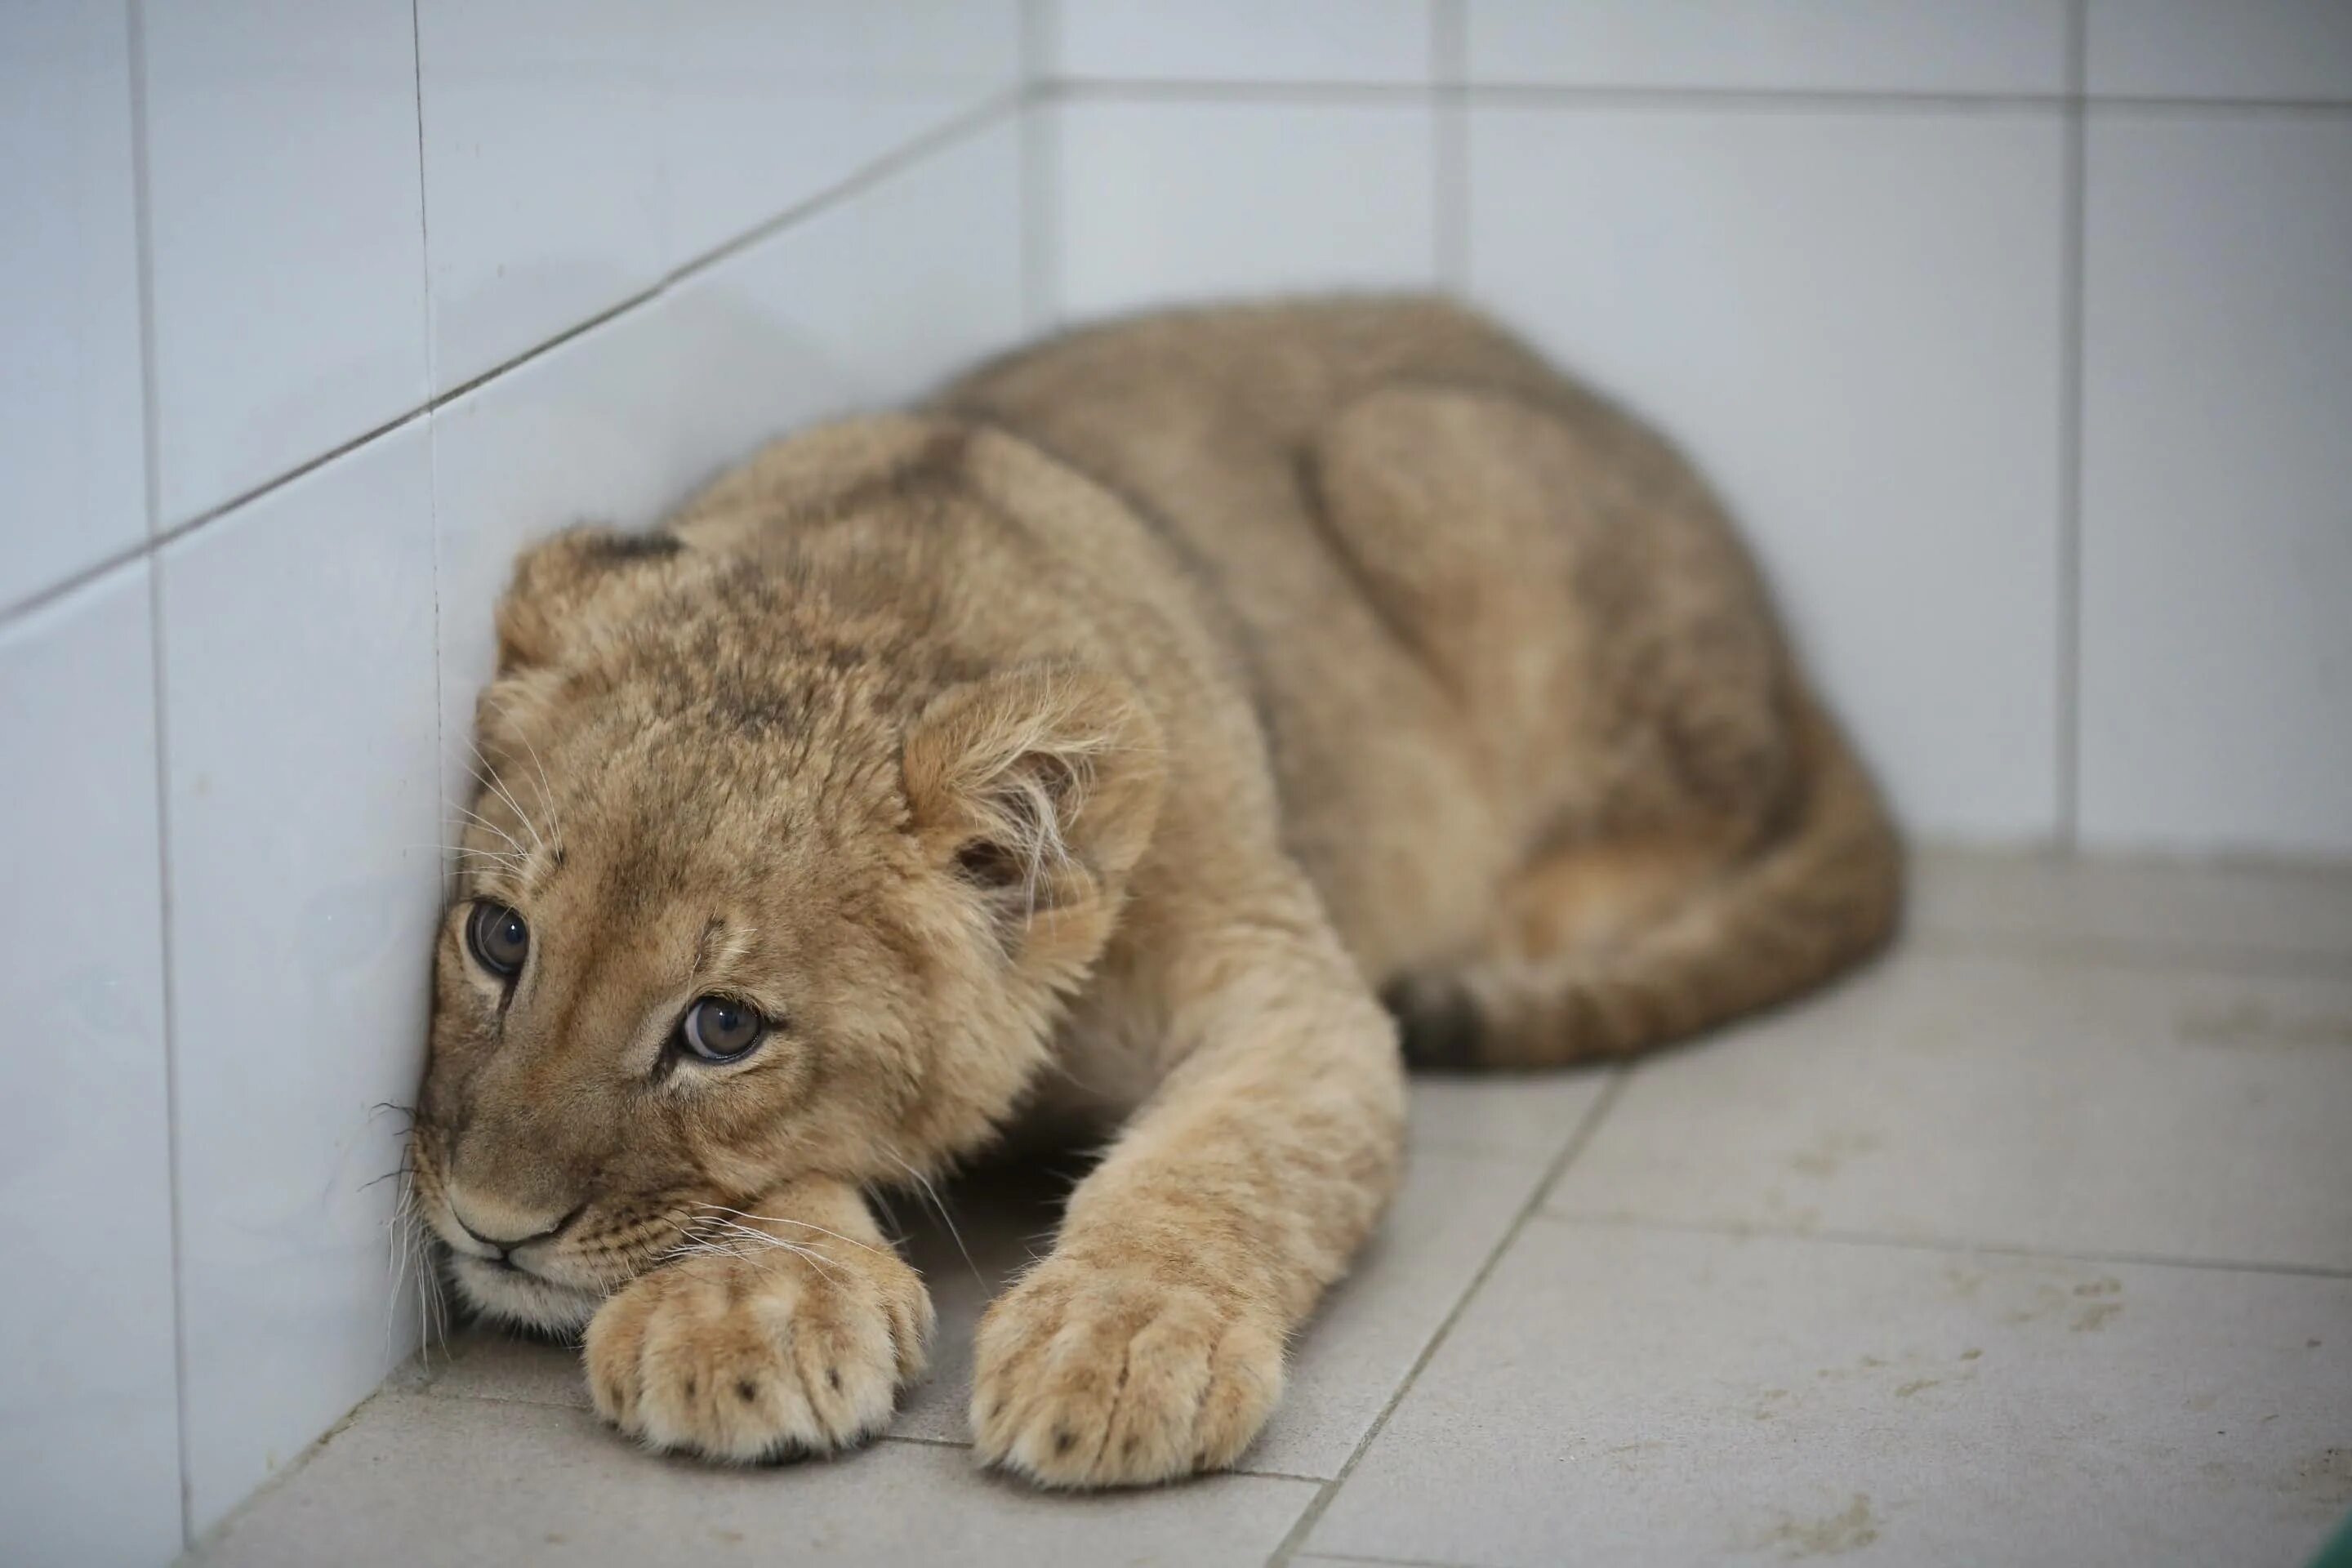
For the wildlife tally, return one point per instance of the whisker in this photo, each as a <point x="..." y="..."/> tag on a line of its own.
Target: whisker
<point x="759" y="1237"/>
<point x="489" y="779"/>
<point x="778" y="1219"/>
<point x="522" y="854"/>
<point x="932" y="1192"/>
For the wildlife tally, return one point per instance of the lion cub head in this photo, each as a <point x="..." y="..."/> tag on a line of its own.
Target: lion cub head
<point x="777" y="870"/>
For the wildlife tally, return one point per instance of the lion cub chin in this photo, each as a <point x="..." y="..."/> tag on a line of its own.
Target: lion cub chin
<point x="1116" y="733"/>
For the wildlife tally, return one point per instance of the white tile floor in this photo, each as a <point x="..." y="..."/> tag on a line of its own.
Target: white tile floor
<point x="2033" y="1245"/>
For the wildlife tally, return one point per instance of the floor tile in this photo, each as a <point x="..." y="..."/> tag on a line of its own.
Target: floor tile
<point x="459" y="1483"/>
<point x="1531" y="1116"/>
<point x="1452" y="1212"/>
<point x="2225" y="913"/>
<point x="1619" y="1396"/>
<point x="2005" y="1100"/>
<point x="475" y="1361"/>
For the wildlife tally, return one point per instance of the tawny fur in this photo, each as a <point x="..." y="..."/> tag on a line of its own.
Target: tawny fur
<point x="1099" y="741"/>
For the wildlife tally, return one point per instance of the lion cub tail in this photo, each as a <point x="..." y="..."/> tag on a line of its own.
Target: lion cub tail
<point x="1822" y="895"/>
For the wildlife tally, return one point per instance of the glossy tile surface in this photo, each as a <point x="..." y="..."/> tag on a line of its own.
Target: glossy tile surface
<point x="286" y="229"/>
<point x="2217" y="540"/>
<point x="90" y="1450"/>
<point x="1167" y="201"/>
<point x="765" y="106"/>
<point x="1846" y="45"/>
<point x="586" y="433"/>
<point x="860" y="307"/>
<point x="1233" y="40"/>
<point x="2218" y="49"/>
<point x="1848" y="319"/>
<point x="70" y="425"/>
<point x="301" y="737"/>
<point x="545" y="182"/>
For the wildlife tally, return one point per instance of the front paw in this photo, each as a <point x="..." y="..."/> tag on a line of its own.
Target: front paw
<point x="1092" y="1377"/>
<point x="759" y="1358"/>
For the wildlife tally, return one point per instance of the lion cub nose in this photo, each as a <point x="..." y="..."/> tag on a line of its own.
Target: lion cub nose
<point x="501" y="1227"/>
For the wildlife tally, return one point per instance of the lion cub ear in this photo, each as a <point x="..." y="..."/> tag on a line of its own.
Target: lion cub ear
<point x="569" y="588"/>
<point x="1041" y="785"/>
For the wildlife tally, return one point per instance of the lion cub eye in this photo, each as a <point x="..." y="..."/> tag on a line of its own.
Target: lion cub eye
<point x="498" y="938"/>
<point x="720" y="1029"/>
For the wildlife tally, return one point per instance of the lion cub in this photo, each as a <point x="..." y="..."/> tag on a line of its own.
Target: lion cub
<point x="1112" y="737"/>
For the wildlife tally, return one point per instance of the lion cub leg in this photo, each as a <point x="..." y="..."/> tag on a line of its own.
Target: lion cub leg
<point x="1149" y="1344"/>
<point x="791" y="1337"/>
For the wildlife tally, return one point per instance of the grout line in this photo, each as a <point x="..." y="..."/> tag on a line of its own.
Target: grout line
<point x="1945" y="1245"/>
<point x="2070" y="440"/>
<point x="1178" y="89"/>
<point x="432" y="469"/>
<point x="1348" y="1557"/>
<point x="1295" y="1541"/>
<point x="135" y="21"/>
<point x="980" y="118"/>
<point x="2152" y="103"/>
<point x="423" y="204"/>
<point x="1588" y="95"/>
<point x="973" y="120"/>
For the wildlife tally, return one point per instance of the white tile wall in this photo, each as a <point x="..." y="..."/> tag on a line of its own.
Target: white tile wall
<point x="1850" y="319"/>
<point x="576" y="154"/>
<point x="2220" y="49"/>
<point x="71" y="442"/>
<point x="1849" y="46"/>
<point x="768" y="105"/>
<point x="1162" y="201"/>
<point x="300" y="738"/>
<point x="584" y="433"/>
<point x="286" y="232"/>
<point x="861" y="306"/>
<point x="1852" y="315"/>
<point x="546" y="200"/>
<point x="90" y="1452"/>
<point x="1243" y="40"/>
<point x="323" y="589"/>
<point x="2216" y="481"/>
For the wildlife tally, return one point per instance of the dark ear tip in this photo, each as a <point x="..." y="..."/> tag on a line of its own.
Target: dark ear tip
<point x="989" y="865"/>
